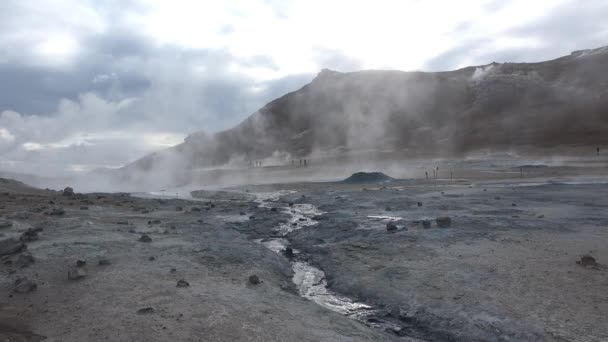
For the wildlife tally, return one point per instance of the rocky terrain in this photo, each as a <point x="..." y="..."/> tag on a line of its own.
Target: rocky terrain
<point x="555" y="107"/>
<point x="517" y="254"/>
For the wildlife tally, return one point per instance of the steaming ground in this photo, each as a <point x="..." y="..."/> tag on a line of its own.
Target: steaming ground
<point x="504" y="270"/>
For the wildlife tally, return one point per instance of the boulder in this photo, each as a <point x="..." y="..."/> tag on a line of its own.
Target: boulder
<point x="587" y="261"/>
<point x="443" y="222"/>
<point x="68" y="191"/>
<point x="29" y="235"/>
<point x="76" y="273"/>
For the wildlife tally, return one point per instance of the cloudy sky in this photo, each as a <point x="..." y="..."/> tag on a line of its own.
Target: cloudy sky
<point x="90" y="83"/>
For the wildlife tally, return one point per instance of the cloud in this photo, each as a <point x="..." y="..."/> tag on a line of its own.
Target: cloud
<point x="91" y="83"/>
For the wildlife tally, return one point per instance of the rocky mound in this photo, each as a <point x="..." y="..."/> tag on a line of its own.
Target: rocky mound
<point x="367" y="178"/>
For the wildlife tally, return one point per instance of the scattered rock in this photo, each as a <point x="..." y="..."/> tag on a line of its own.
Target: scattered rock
<point x="182" y="283"/>
<point x="24" y="260"/>
<point x="29" y="235"/>
<point x="76" y="273"/>
<point x="443" y="222"/>
<point x="426" y="224"/>
<point x="10" y="246"/>
<point x="144" y="238"/>
<point x="57" y="212"/>
<point x="587" y="261"/>
<point x="145" y="311"/>
<point x="103" y="262"/>
<point x="391" y="227"/>
<point x="24" y="285"/>
<point x="288" y="252"/>
<point x="254" y="279"/>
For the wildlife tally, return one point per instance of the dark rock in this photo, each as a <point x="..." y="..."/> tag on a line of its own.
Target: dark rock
<point x="178" y="208"/>
<point x="29" y="235"/>
<point x="152" y="258"/>
<point x="388" y="208"/>
<point x="195" y="209"/>
<point x="497" y="197"/>
<point x="426" y="224"/>
<point x="145" y="311"/>
<point x="273" y="209"/>
<point x="24" y="260"/>
<point x="68" y="191"/>
<point x="391" y="227"/>
<point x="10" y="246"/>
<point x="540" y="216"/>
<point x="81" y="263"/>
<point x="367" y="177"/>
<point x="419" y="204"/>
<point x="84" y="207"/>
<point x="76" y="273"/>
<point x="513" y="205"/>
<point x="254" y="279"/>
<point x="173" y="270"/>
<point x="587" y="261"/>
<point x="57" y="212"/>
<point x="104" y="262"/>
<point x="182" y="283"/>
<point x="24" y="285"/>
<point x="144" y="238"/>
<point x="5" y="224"/>
<point x="291" y="204"/>
<point x="242" y="213"/>
<point x="123" y="223"/>
<point x="288" y="252"/>
<point x="443" y="222"/>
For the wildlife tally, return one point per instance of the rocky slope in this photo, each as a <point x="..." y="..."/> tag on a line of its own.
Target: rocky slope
<point x="512" y="106"/>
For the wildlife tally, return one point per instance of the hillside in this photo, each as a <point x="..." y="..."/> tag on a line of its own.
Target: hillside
<point x="497" y="107"/>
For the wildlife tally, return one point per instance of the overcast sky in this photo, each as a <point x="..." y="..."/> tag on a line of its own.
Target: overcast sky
<point x="90" y="83"/>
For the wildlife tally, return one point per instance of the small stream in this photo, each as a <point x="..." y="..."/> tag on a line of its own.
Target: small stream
<point x="310" y="280"/>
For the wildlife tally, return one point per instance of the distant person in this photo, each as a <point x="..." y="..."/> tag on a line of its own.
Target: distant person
<point x="304" y="162"/>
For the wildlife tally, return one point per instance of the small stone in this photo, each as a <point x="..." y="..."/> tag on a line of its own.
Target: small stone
<point x="144" y="238"/>
<point x="540" y="216"/>
<point x="10" y="246"/>
<point x="273" y="209"/>
<point x="24" y="285"/>
<point x="513" y="205"/>
<point x="288" y="252"/>
<point x="178" y="208"/>
<point x="391" y="227"/>
<point x="254" y="279"/>
<point x="29" y="235"/>
<point x="84" y="207"/>
<point x="173" y="270"/>
<point x="426" y="224"/>
<point x="497" y="197"/>
<point x="587" y="261"/>
<point x="57" y="212"/>
<point x="103" y="262"/>
<point x="182" y="283"/>
<point x="443" y="222"/>
<point x="24" y="260"/>
<point x="152" y="258"/>
<point x="388" y="208"/>
<point x="145" y="311"/>
<point x="68" y="191"/>
<point x="291" y="204"/>
<point x="76" y="273"/>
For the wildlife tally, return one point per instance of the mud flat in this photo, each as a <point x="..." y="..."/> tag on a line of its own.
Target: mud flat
<point x="503" y="267"/>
